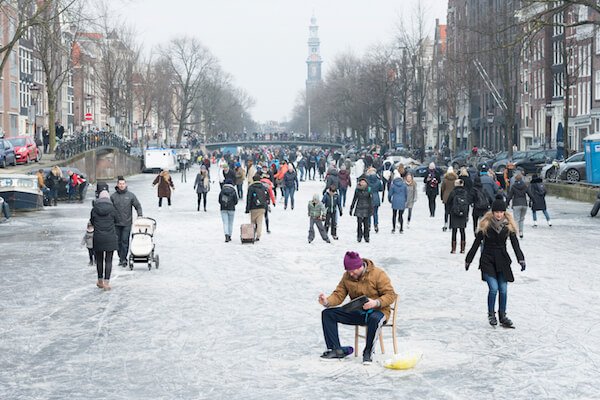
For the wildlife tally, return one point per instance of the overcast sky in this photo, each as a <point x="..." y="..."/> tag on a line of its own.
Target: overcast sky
<point x="263" y="43"/>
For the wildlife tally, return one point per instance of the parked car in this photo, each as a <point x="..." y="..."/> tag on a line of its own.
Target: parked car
<point x="573" y="168"/>
<point x="7" y="153"/>
<point x="533" y="163"/>
<point x="466" y="158"/>
<point x="500" y="165"/>
<point x="25" y="149"/>
<point x="421" y="171"/>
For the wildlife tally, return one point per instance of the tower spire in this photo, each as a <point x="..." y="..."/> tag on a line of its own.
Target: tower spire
<point x="313" y="62"/>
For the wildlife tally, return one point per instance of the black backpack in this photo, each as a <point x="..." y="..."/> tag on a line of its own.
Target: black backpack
<point x="259" y="196"/>
<point x="480" y="200"/>
<point x="460" y="204"/>
<point x="228" y="199"/>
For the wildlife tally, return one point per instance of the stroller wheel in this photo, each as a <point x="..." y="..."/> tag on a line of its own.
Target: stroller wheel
<point x="156" y="261"/>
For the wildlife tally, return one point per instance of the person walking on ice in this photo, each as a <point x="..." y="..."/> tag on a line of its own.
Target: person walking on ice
<point x="494" y="229"/>
<point x="316" y="215"/>
<point x="361" y="277"/>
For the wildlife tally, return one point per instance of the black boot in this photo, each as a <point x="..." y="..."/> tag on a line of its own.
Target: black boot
<point x="492" y="318"/>
<point x="504" y="321"/>
<point x="376" y="228"/>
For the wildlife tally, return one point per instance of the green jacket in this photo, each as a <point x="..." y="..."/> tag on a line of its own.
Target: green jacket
<point x="316" y="210"/>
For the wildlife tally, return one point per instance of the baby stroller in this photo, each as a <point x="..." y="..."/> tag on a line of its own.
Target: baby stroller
<point x="142" y="243"/>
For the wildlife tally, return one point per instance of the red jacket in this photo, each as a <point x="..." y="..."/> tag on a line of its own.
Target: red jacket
<point x="269" y="185"/>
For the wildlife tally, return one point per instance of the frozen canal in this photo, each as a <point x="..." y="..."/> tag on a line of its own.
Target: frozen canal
<point x="226" y="321"/>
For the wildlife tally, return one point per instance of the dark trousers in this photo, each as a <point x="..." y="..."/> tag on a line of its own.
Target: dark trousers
<point x="330" y="221"/>
<point x="400" y="214"/>
<point x="123" y="233"/>
<point x="364" y="225"/>
<point x="92" y="255"/>
<point x="104" y="264"/>
<point x="240" y="190"/>
<point x="202" y="197"/>
<point x="267" y="219"/>
<point x="462" y="234"/>
<point x="160" y="201"/>
<point x="330" y="318"/>
<point x="343" y="196"/>
<point x="446" y="212"/>
<point x="409" y="214"/>
<point x="431" y="198"/>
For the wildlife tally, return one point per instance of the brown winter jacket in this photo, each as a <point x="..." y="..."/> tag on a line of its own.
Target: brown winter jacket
<point x="448" y="185"/>
<point x="165" y="183"/>
<point x="374" y="283"/>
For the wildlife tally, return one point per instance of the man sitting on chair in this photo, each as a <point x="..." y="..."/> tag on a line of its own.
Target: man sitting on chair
<point x="362" y="277"/>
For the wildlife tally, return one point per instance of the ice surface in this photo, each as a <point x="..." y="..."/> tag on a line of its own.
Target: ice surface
<point x="231" y="321"/>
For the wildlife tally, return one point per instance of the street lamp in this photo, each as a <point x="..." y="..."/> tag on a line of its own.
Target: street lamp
<point x="34" y="89"/>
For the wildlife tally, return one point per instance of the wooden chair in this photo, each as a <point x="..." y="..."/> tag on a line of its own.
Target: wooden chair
<point x="392" y="325"/>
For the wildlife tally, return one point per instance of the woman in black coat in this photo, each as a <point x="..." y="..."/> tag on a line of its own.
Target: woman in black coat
<point x="494" y="229"/>
<point x="362" y="204"/>
<point x="458" y="217"/>
<point x="104" y="218"/>
<point x="537" y="194"/>
<point x="432" y="181"/>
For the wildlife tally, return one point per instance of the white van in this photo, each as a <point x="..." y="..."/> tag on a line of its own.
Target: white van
<point x="159" y="159"/>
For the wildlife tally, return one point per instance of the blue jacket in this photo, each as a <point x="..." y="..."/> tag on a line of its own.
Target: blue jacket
<point x="398" y="194"/>
<point x="332" y="204"/>
<point x="376" y="186"/>
<point x="489" y="186"/>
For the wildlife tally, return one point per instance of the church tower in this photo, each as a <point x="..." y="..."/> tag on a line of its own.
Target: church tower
<point x="313" y="62"/>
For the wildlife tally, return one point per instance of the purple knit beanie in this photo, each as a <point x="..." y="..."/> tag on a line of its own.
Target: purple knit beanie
<point x="352" y="261"/>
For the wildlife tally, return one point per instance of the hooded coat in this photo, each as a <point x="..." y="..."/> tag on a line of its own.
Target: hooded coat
<point x="374" y="283"/>
<point x="398" y="194"/>
<point x="517" y="194"/>
<point x="104" y="219"/>
<point x="537" y="194"/>
<point x="376" y="186"/>
<point x="494" y="256"/>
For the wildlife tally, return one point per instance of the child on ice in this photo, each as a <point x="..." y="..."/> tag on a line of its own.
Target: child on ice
<point x="88" y="241"/>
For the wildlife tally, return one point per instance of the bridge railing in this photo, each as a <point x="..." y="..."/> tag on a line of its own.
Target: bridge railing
<point x="252" y="142"/>
<point x="83" y="142"/>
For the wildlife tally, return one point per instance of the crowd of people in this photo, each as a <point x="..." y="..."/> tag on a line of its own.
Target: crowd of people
<point x="265" y="177"/>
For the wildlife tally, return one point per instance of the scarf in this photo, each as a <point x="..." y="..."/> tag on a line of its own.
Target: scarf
<point x="498" y="225"/>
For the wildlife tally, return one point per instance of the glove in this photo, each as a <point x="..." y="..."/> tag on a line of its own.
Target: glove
<point x="522" y="262"/>
<point x="467" y="266"/>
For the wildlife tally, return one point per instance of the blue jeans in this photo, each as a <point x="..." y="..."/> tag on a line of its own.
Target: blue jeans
<point x="330" y="318"/>
<point x="343" y="196"/>
<point x="376" y="215"/>
<point x="545" y="214"/>
<point x="240" y="190"/>
<point x="72" y="192"/>
<point x="496" y="284"/>
<point x="289" y="193"/>
<point x="302" y="173"/>
<point x="227" y="217"/>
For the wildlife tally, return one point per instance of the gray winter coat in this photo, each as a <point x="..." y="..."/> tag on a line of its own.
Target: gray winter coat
<point x="518" y="194"/>
<point x="411" y="195"/>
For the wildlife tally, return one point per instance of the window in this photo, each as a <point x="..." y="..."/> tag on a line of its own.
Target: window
<point x="14" y="125"/>
<point x="597" y="41"/>
<point x="14" y="95"/>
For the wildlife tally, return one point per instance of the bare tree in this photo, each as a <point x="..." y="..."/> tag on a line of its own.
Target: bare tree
<point x="413" y="39"/>
<point x="192" y="65"/>
<point x="53" y="46"/>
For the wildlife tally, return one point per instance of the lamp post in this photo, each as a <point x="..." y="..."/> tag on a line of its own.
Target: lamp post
<point x="490" y="121"/>
<point x="88" y="109"/>
<point x="35" y="90"/>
